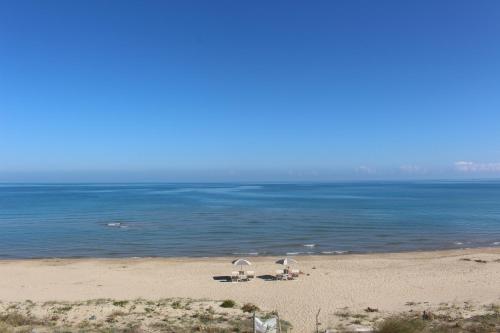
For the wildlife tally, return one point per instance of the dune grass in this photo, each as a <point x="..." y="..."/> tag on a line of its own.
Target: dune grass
<point x="487" y="323"/>
<point x="128" y="316"/>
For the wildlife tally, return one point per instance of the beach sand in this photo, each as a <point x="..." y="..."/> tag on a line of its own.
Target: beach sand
<point x="389" y="282"/>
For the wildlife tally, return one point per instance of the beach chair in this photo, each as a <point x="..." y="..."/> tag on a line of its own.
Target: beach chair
<point x="234" y="276"/>
<point x="279" y="274"/>
<point x="295" y="273"/>
<point x="242" y="277"/>
<point x="250" y="274"/>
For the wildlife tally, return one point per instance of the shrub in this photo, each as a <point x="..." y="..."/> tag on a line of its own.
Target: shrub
<point x="64" y="308"/>
<point x="401" y="325"/>
<point x="176" y="304"/>
<point x="114" y="315"/>
<point x="120" y="303"/>
<point x="228" y="303"/>
<point x="249" y="307"/>
<point x="15" y="319"/>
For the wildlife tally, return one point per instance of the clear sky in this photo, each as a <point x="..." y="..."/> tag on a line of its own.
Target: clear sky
<point x="249" y="90"/>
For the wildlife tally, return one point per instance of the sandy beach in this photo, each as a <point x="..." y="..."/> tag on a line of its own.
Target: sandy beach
<point x="389" y="282"/>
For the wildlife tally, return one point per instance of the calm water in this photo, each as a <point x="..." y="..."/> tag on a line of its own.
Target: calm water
<point x="117" y="220"/>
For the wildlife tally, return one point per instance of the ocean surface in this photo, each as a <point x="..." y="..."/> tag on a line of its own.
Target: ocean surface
<point x="139" y="220"/>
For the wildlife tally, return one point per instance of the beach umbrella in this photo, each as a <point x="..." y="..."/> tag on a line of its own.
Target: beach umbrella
<point x="286" y="261"/>
<point x="241" y="262"/>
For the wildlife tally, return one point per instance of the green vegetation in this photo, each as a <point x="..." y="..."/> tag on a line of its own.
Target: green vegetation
<point x="177" y="304"/>
<point x="228" y="303"/>
<point x="16" y="319"/>
<point x="401" y="325"/>
<point x="114" y="315"/>
<point x="137" y="316"/>
<point x="249" y="307"/>
<point x="64" y="308"/>
<point x="445" y="318"/>
<point x="120" y="303"/>
<point x="174" y="315"/>
<point x="487" y="323"/>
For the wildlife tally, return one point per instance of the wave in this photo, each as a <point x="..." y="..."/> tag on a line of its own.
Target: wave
<point x="116" y="225"/>
<point x="334" y="252"/>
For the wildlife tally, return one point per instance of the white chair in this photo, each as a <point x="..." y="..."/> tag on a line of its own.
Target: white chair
<point x="279" y="274"/>
<point x="234" y="276"/>
<point x="295" y="273"/>
<point x="250" y="274"/>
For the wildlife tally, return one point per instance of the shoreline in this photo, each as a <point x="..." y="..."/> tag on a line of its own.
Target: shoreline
<point x="386" y="281"/>
<point x="258" y="256"/>
<point x="335" y="254"/>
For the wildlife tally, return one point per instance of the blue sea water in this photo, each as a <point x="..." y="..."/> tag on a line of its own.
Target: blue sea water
<point x="128" y="220"/>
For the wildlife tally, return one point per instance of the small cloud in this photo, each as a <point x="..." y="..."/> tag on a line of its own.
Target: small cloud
<point x="411" y="168"/>
<point x="468" y="166"/>
<point x="365" y="169"/>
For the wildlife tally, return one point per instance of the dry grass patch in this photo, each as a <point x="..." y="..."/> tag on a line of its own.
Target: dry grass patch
<point x="249" y="308"/>
<point x="137" y="316"/>
<point x="488" y="323"/>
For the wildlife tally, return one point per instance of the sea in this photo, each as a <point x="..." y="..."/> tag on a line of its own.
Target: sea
<point x="245" y="219"/>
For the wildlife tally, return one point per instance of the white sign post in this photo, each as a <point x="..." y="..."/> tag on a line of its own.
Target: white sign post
<point x="265" y="326"/>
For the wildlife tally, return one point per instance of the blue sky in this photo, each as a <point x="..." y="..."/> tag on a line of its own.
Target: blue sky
<point x="255" y="90"/>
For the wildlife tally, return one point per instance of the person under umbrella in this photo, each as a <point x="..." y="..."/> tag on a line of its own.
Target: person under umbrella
<point x="241" y="262"/>
<point x="286" y="262"/>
